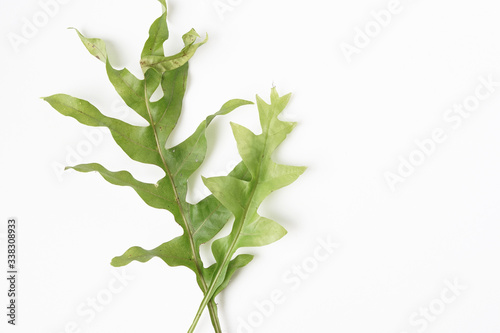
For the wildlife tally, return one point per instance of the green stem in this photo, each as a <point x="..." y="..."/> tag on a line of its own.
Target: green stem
<point x="208" y="297"/>
<point x="198" y="315"/>
<point x="232" y="249"/>
<point x="212" y="306"/>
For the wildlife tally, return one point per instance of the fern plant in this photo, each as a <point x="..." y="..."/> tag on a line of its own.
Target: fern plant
<point x="238" y="195"/>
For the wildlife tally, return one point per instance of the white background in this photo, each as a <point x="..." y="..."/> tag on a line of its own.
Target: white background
<point x="357" y="120"/>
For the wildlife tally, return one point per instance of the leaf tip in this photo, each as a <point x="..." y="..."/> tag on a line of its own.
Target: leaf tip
<point x="77" y="31"/>
<point x="115" y="262"/>
<point x="260" y="101"/>
<point x="233" y="125"/>
<point x="48" y="99"/>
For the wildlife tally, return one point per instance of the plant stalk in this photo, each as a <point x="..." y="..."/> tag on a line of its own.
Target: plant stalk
<point x="225" y="262"/>
<point x="212" y="306"/>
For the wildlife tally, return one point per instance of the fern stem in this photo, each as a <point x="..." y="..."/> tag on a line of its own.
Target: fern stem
<point x="212" y="306"/>
<point x="208" y="297"/>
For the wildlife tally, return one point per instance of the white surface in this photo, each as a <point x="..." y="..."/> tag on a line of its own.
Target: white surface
<point x="396" y="248"/>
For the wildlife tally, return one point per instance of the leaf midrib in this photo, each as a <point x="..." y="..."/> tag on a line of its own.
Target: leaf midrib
<point x="176" y="194"/>
<point x="232" y="250"/>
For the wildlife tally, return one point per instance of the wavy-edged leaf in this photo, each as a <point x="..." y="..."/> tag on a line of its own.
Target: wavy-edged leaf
<point x="147" y="144"/>
<point x="173" y="253"/>
<point x="152" y="194"/>
<point x="142" y="145"/>
<point x="200" y="222"/>
<point x="187" y="157"/>
<point x="131" y="89"/>
<point x="158" y="34"/>
<point x="208" y="217"/>
<point x="243" y="197"/>
<point x="137" y="142"/>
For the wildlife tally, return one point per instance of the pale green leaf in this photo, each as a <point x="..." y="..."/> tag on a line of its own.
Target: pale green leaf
<point x="147" y="144"/>
<point x="243" y="197"/>
<point x="237" y="195"/>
